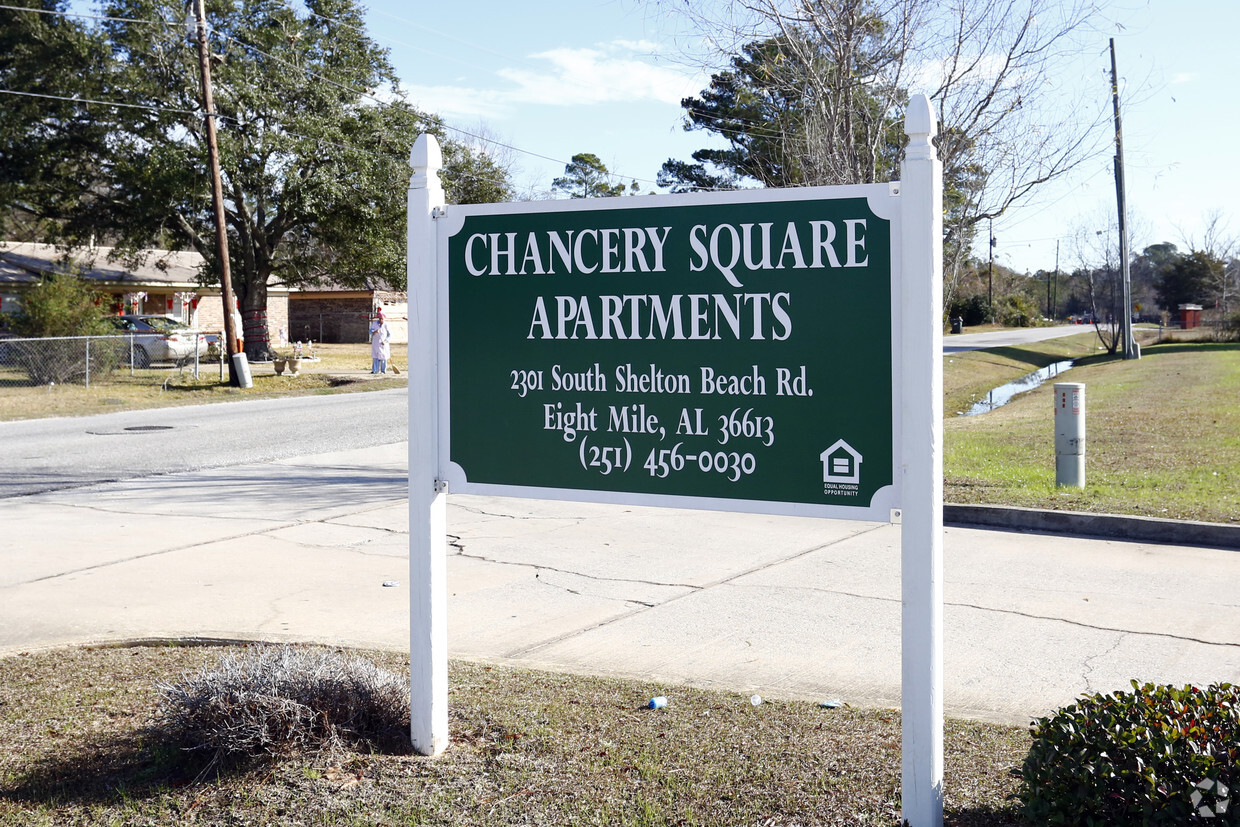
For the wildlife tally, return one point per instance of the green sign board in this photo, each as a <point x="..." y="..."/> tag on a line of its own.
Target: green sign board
<point x="722" y="351"/>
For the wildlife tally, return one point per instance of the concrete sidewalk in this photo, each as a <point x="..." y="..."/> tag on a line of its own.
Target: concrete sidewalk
<point x="315" y="549"/>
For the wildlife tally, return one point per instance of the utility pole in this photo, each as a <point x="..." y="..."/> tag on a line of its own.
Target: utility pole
<point x="1055" y="298"/>
<point x="1130" y="350"/>
<point x="238" y="368"/>
<point x="1048" y="284"/>
<point x="990" y="278"/>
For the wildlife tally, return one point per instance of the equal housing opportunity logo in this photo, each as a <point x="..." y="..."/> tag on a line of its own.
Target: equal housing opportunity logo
<point x="841" y="470"/>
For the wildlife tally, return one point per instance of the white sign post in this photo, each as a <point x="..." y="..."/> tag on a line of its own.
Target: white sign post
<point x="921" y="557"/>
<point x="663" y="277"/>
<point x="428" y="539"/>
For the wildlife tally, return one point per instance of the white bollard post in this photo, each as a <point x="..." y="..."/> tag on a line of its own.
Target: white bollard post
<point x="1069" y="435"/>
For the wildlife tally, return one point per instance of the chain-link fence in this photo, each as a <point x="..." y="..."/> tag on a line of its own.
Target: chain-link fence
<point x="87" y="360"/>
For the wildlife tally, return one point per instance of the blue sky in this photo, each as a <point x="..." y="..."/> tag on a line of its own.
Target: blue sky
<point x="557" y="78"/>
<point x="567" y="78"/>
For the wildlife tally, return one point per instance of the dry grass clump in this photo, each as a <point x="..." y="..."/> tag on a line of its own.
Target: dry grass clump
<point x="277" y="700"/>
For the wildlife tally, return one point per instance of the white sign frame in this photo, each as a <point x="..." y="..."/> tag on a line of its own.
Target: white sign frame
<point x="917" y="320"/>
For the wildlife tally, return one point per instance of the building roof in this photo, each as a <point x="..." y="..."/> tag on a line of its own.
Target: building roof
<point x="339" y="292"/>
<point x="12" y="274"/>
<point x="326" y="286"/>
<point x="25" y="263"/>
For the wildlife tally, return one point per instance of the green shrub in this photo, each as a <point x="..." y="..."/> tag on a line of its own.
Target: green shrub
<point x="60" y="305"/>
<point x="1157" y="755"/>
<point x="1231" y="328"/>
<point x="973" y="309"/>
<point x="1018" y="310"/>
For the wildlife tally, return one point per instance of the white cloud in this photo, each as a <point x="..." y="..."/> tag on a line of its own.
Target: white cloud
<point x="613" y="72"/>
<point x="1184" y="77"/>
<point x="455" y="102"/>
<point x="617" y="72"/>
<point x="929" y="74"/>
<point x="648" y="46"/>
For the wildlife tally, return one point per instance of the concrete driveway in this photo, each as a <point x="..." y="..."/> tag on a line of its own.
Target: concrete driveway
<point x="316" y="549"/>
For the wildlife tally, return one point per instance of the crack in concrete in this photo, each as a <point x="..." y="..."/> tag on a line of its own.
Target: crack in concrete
<point x="628" y="601"/>
<point x="456" y="543"/>
<point x="482" y="513"/>
<point x="1093" y="627"/>
<point x="550" y="585"/>
<point x="692" y="589"/>
<point x="160" y="514"/>
<point x="135" y="557"/>
<point x="223" y="539"/>
<point x="333" y="522"/>
<point x="1093" y="595"/>
<point x="527" y="650"/>
<point x="1029" y="615"/>
<point x="1088" y="664"/>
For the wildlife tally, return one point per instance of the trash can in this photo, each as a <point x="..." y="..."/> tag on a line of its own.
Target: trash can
<point x="957" y="325"/>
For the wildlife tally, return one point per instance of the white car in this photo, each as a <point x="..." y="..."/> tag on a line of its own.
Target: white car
<point x="159" y="339"/>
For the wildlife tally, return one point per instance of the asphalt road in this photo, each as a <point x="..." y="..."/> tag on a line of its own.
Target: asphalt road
<point x="961" y="342"/>
<point x="52" y="454"/>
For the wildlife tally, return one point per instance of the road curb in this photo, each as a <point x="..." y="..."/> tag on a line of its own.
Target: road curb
<point x="1099" y="526"/>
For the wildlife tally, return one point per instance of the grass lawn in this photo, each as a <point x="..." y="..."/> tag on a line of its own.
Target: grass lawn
<point x="528" y="748"/>
<point x="967" y="377"/>
<point x="1163" y="432"/>
<point x="335" y="372"/>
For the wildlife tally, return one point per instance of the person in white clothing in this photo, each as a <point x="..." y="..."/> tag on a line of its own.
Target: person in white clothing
<point x="380" y="343"/>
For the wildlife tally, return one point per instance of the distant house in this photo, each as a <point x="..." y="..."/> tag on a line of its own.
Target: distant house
<point x="161" y="283"/>
<point x="333" y="313"/>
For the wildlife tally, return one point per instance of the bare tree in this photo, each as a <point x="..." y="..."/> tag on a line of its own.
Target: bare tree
<point x="1007" y="123"/>
<point x="1218" y="241"/>
<point x="1097" y="253"/>
<point x="482" y="140"/>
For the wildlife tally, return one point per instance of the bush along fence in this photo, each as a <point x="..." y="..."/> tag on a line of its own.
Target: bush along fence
<point x="86" y="360"/>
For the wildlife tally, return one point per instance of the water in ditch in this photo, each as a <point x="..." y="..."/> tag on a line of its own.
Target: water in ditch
<point x="1005" y="393"/>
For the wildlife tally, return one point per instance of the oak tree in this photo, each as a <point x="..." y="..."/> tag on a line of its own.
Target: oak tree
<point x="314" y="136"/>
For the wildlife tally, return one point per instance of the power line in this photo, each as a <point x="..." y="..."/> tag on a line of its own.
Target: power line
<point x="236" y="122"/>
<point x="438" y="120"/>
<point x="432" y="118"/>
<point x="101" y="103"/>
<point x="393" y="40"/>
<point x="55" y="13"/>
<point x="435" y="119"/>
